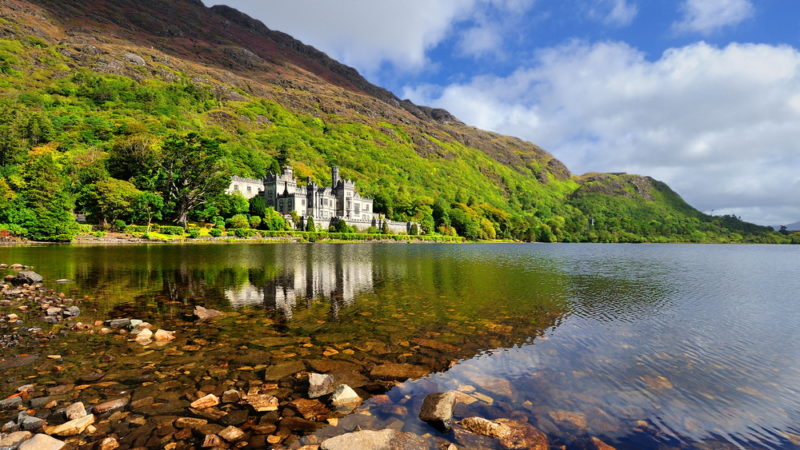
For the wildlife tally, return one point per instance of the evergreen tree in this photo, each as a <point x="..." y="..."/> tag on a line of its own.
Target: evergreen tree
<point x="385" y="227"/>
<point x="47" y="198"/>
<point x="310" y="225"/>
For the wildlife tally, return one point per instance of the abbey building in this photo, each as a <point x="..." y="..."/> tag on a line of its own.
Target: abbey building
<point x="323" y="203"/>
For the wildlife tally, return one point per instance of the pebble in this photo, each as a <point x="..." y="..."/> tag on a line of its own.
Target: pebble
<point x="231" y="434"/>
<point x="205" y="402"/>
<point x="71" y="428"/>
<point x="42" y="442"/>
<point x="320" y="384"/>
<point x="111" y="405"/>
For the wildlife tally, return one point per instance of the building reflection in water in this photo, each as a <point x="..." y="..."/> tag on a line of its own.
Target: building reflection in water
<point x="338" y="275"/>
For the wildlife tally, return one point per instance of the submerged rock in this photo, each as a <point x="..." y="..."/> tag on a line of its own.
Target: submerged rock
<point x="310" y="409"/>
<point x="231" y="434"/>
<point x="205" y="402"/>
<point x="437" y="410"/>
<point x="71" y="428"/>
<point x="12" y="440"/>
<point x="319" y="384"/>
<point x="75" y="411"/>
<point x="164" y="336"/>
<point x="111" y="405"/>
<point x="204" y="314"/>
<point x="108" y="443"/>
<point x="393" y="371"/>
<point x="509" y="433"/>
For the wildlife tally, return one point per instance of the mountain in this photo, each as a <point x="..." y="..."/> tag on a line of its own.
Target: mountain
<point x="791" y="227"/>
<point x="94" y="90"/>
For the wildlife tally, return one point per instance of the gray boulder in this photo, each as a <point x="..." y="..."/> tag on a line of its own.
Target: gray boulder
<point x="437" y="410"/>
<point x="28" y="277"/>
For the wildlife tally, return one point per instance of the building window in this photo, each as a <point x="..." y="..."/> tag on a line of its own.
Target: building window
<point x="235" y="187"/>
<point x="358" y="208"/>
<point x="249" y="189"/>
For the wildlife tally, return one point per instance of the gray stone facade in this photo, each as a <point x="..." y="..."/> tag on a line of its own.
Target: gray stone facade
<point x="323" y="203"/>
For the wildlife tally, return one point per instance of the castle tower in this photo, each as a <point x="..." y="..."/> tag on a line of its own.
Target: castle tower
<point x="334" y="176"/>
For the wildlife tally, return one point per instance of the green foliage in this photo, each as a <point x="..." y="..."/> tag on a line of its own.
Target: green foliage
<point x="215" y="232"/>
<point x="47" y="213"/>
<point x="193" y="232"/>
<point x="414" y="231"/>
<point x="171" y="230"/>
<point x="238" y="221"/>
<point x="310" y="225"/>
<point x="191" y="172"/>
<point x="102" y="131"/>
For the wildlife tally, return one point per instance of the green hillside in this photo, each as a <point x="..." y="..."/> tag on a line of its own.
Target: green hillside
<point x="124" y="130"/>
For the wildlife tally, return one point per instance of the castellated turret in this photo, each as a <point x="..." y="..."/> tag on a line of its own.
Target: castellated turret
<point x="334" y="176"/>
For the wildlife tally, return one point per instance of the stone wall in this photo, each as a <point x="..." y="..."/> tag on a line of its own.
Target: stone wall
<point x="363" y="225"/>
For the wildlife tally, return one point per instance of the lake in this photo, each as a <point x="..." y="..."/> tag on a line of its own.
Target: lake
<point x="642" y="346"/>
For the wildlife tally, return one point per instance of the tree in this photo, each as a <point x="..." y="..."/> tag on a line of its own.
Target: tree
<point x="146" y="207"/>
<point x="414" y="230"/>
<point x="113" y="199"/>
<point x="255" y="221"/>
<point x="46" y="197"/>
<point x="229" y="205"/>
<point x="258" y="206"/>
<point x="273" y="220"/>
<point x="310" y="225"/>
<point x="134" y="158"/>
<point x="191" y="172"/>
<point x="385" y="227"/>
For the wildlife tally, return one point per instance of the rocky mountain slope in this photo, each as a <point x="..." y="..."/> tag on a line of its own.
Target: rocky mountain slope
<point x="101" y="73"/>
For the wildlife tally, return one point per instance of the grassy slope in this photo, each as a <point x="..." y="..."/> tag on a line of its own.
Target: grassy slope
<point x="273" y="95"/>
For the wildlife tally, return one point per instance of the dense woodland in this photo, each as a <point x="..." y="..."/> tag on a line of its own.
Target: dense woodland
<point x="150" y="150"/>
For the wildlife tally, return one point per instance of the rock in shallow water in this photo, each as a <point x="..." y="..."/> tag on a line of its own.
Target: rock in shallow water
<point x="205" y="402"/>
<point x="14" y="439"/>
<point x="437" y="410"/>
<point x="75" y="411"/>
<point x="72" y="427"/>
<point x="384" y="439"/>
<point x="28" y="277"/>
<point x="510" y="433"/>
<point x="319" y="384"/>
<point x="204" y="314"/>
<point x="42" y="442"/>
<point x="345" y="397"/>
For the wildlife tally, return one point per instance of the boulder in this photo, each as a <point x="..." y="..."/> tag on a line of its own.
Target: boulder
<point x="31" y="423"/>
<point x="72" y="311"/>
<point x="42" y="442"/>
<point x="384" y="439"/>
<point x="12" y="440"/>
<point x="28" y="277"/>
<point x="164" y="335"/>
<point x="231" y="396"/>
<point x="204" y="314"/>
<point x="437" y="410"/>
<point x="133" y="58"/>
<point x="10" y="403"/>
<point x="320" y="384"/>
<point x="118" y="323"/>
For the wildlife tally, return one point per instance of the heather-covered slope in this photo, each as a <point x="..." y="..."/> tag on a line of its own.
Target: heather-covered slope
<point x="92" y="90"/>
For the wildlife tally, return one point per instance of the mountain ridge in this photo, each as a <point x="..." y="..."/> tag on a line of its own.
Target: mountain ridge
<point x="271" y="91"/>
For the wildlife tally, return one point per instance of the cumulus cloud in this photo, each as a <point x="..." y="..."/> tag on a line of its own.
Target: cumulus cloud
<point x="718" y="124"/>
<point x="614" y="12"/>
<point x="368" y="34"/>
<point x="709" y="16"/>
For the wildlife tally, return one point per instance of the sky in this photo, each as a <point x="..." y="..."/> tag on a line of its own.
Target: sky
<point x="701" y="94"/>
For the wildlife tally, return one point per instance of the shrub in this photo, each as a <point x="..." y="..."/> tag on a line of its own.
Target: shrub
<point x="238" y="221"/>
<point x="219" y="222"/>
<point x="172" y="231"/>
<point x="119" y="225"/>
<point x="194" y="232"/>
<point x="255" y="221"/>
<point x="215" y="232"/>
<point x="244" y="232"/>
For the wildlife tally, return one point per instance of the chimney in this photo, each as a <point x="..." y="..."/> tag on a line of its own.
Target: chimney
<point x="334" y="176"/>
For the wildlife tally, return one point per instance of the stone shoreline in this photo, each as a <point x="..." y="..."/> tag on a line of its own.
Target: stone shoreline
<point x="124" y="396"/>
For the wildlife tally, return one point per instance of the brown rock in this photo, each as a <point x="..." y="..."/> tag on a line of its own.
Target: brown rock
<point x="310" y="409"/>
<point x="278" y="371"/>
<point x="110" y="405"/>
<point x="510" y="434"/>
<point x="212" y="440"/>
<point x="189" y="422"/>
<point x="75" y="411"/>
<point x="205" y="402"/>
<point x="12" y="440"/>
<point x="569" y="418"/>
<point x="231" y="434"/>
<point x="262" y="402"/>
<point x="204" y="314"/>
<point x="320" y="384"/>
<point x="392" y="371"/>
<point x="231" y="396"/>
<point x="108" y="443"/>
<point x="164" y="336"/>
<point x="42" y="442"/>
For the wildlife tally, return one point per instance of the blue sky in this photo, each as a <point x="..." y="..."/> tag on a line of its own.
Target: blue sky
<point x="702" y="94"/>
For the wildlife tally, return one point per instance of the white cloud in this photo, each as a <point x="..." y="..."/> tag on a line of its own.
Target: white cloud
<point x="718" y="124"/>
<point x="368" y="33"/>
<point x="614" y="12"/>
<point x="708" y="16"/>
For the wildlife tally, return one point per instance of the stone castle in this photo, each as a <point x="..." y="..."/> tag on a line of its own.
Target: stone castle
<point x="340" y="200"/>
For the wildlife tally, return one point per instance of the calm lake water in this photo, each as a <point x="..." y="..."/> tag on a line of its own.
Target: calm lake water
<point x="643" y="346"/>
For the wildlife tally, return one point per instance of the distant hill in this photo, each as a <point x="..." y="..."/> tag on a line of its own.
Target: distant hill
<point x="98" y="86"/>
<point x="791" y="227"/>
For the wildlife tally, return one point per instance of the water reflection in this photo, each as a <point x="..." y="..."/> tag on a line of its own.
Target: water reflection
<point x="299" y="281"/>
